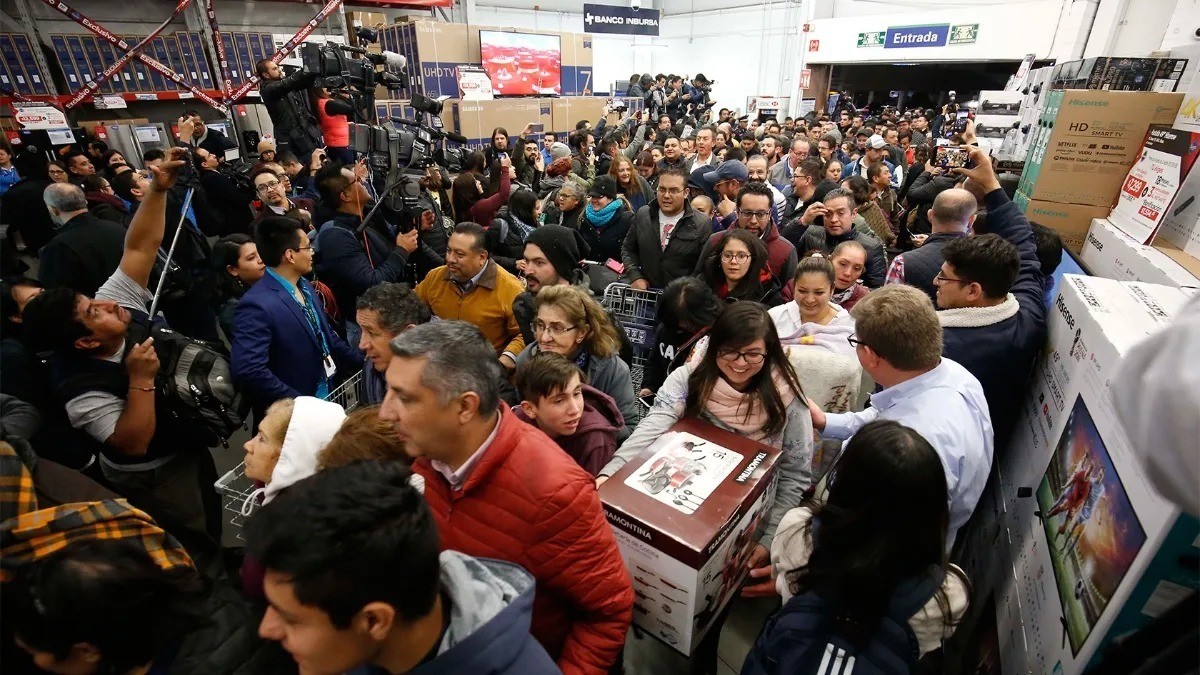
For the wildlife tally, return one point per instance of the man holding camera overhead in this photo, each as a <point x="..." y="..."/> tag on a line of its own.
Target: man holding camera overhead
<point x="296" y="128"/>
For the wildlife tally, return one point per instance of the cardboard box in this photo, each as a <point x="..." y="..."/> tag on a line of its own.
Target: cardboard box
<point x="568" y="111"/>
<point x="1108" y="252"/>
<point x="1070" y="221"/>
<point x="477" y="119"/>
<point x="1181" y="222"/>
<point x="577" y="65"/>
<point x="1119" y="74"/>
<point x="1154" y="186"/>
<point x="434" y="51"/>
<point x="1083" y="575"/>
<point x="373" y="20"/>
<point x="686" y="514"/>
<point x="1087" y="142"/>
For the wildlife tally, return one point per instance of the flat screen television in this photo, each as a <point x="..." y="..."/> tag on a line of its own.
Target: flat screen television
<point x="522" y="64"/>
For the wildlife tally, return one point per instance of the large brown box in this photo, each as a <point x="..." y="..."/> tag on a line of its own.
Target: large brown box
<point x="569" y="110"/>
<point x="686" y="514"/>
<point x="477" y="119"/>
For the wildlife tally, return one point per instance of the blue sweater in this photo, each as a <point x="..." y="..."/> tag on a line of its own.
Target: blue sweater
<point x="1000" y="354"/>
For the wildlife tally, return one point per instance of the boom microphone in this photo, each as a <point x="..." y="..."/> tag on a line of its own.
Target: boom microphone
<point x="389" y="59"/>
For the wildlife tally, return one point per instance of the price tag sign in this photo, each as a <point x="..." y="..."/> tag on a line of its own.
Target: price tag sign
<point x="40" y="116"/>
<point x="109" y="102"/>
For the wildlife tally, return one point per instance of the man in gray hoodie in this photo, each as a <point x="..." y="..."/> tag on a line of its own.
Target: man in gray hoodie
<point x="355" y="584"/>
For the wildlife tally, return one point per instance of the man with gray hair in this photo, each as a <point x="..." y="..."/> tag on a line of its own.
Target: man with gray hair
<point x="85" y="250"/>
<point x="952" y="214"/>
<point x="499" y="488"/>
<point x="385" y="311"/>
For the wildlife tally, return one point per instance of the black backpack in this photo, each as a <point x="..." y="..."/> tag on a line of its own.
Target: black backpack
<point x="196" y="381"/>
<point x="805" y="637"/>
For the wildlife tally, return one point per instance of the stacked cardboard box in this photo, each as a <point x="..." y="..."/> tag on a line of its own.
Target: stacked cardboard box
<point x="477" y="119"/>
<point x="1119" y="74"/>
<point x="569" y="111"/>
<point x="1082" y="148"/>
<point x="1090" y="549"/>
<point x="1110" y="253"/>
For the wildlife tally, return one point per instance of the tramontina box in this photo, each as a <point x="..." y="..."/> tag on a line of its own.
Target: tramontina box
<point x="687" y="513"/>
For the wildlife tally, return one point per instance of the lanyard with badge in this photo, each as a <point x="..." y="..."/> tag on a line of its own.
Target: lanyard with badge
<point x="310" y="313"/>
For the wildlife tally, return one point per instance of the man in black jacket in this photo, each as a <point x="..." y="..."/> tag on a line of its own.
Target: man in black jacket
<point x="231" y="204"/>
<point x="952" y="214"/>
<point x="209" y="139"/>
<point x="667" y="236"/>
<point x="85" y="250"/>
<point x="839" y="224"/>
<point x="296" y="128"/>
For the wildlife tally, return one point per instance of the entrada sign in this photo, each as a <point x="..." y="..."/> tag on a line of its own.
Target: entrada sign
<point x="933" y="35"/>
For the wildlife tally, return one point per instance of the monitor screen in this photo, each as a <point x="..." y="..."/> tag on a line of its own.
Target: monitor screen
<point x="522" y="64"/>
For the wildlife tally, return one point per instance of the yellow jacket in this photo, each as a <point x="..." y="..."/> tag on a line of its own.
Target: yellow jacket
<point x="488" y="305"/>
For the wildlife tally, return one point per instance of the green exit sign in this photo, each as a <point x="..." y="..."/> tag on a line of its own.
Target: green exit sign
<point x="871" y="39"/>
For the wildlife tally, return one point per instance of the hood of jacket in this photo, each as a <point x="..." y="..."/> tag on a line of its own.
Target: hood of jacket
<point x="491" y="609"/>
<point x="314" y="422"/>
<point x="600" y="412"/>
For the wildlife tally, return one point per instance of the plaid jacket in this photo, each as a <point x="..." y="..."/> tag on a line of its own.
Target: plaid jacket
<point x="28" y="534"/>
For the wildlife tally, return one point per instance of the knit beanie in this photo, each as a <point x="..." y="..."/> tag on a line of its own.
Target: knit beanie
<point x="564" y="247"/>
<point x="559" y="150"/>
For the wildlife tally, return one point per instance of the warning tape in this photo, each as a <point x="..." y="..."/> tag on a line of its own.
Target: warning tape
<point x="287" y="47"/>
<point x="131" y="52"/>
<point x="222" y="57"/>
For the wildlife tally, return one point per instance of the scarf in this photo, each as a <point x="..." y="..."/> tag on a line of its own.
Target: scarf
<point x="839" y="297"/>
<point x="105" y="198"/>
<point x="522" y="229"/>
<point x="732" y="408"/>
<point x="603" y="216"/>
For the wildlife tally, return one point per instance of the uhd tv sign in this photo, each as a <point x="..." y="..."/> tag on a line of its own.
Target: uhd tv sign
<point x="617" y="19"/>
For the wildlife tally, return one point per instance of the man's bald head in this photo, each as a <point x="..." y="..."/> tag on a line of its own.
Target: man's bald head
<point x="953" y="211"/>
<point x="975" y="189"/>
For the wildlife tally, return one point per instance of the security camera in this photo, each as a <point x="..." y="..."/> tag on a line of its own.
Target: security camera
<point x="635" y="4"/>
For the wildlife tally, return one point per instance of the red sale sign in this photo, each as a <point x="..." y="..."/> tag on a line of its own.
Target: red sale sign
<point x="1134" y="186"/>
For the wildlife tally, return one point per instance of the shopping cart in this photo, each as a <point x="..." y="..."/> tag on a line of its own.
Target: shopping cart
<point x="635" y="310"/>
<point x="235" y="488"/>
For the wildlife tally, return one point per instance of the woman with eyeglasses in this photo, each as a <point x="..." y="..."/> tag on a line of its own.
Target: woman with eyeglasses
<point x="568" y="205"/>
<point x="742" y="382"/>
<point x="812" y="318"/>
<point x="875" y="548"/>
<point x="57" y="172"/>
<point x="570" y="322"/>
<point x="738" y="270"/>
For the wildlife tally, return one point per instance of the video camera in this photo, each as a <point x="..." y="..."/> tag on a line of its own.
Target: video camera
<point x="335" y="70"/>
<point x="399" y="154"/>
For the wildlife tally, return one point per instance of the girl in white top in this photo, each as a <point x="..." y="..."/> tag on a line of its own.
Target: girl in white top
<point x="880" y="531"/>
<point x="812" y="319"/>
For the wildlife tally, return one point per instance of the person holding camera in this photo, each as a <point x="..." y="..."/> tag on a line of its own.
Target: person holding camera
<point x="296" y="127"/>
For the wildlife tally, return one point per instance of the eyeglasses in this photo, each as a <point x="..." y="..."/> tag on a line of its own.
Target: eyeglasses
<point x="57" y="172"/>
<point x="555" y="329"/>
<point x="302" y="249"/>
<point x="670" y="191"/>
<point x="732" y="355"/>
<point x="269" y="185"/>
<point x="728" y="256"/>
<point x="754" y="215"/>
<point x="945" y="279"/>
<point x="855" y="342"/>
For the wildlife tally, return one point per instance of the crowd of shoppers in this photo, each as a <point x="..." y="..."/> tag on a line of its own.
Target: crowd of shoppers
<point x="454" y="523"/>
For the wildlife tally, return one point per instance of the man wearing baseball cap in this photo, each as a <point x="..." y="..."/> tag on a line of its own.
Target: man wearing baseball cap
<point x="876" y="149"/>
<point x="723" y="184"/>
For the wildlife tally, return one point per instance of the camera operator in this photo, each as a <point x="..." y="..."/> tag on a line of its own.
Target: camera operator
<point x="332" y="113"/>
<point x="231" y="205"/>
<point x="296" y="127"/>
<point x="203" y="137"/>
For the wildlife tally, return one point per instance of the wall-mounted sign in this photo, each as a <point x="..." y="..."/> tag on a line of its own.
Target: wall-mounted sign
<point x="814" y="45"/>
<point x="619" y="19"/>
<point x="906" y="37"/>
<point x="871" y="39"/>
<point x="964" y="34"/>
<point x="805" y="78"/>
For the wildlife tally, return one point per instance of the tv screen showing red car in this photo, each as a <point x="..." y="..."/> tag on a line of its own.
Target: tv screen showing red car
<point x="522" y="64"/>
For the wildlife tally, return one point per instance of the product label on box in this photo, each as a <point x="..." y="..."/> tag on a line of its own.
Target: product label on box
<point x="1154" y="181"/>
<point x="684" y="472"/>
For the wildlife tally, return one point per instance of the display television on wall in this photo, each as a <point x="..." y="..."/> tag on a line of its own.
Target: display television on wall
<point x="522" y="64"/>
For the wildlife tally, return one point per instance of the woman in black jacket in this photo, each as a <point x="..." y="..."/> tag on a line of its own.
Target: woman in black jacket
<point x="606" y="220"/>
<point x="511" y="226"/>
<point x="686" y="310"/>
<point x="737" y="269"/>
<point x="569" y="200"/>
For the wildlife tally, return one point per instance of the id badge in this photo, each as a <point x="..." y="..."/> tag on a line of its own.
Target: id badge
<point x="330" y="367"/>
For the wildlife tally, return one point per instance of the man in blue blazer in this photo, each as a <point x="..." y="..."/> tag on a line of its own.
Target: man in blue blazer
<point x="282" y="343"/>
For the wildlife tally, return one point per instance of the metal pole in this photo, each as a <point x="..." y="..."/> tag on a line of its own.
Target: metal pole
<point x="162" y="278"/>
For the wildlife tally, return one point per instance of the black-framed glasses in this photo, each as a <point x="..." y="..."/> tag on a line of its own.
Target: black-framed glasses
<point x="555" y="329"/>
<point x="855" y="342"/>
<point x="754" y="215"/>
<point x="270" y="185"/>
<point x="944" y="279"/>
<point x="730" y="256"/>
<point x="732" y="355"/>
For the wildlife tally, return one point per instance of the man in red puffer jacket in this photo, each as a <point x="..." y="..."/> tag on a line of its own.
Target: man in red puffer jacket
<point x="502" y="489"/>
